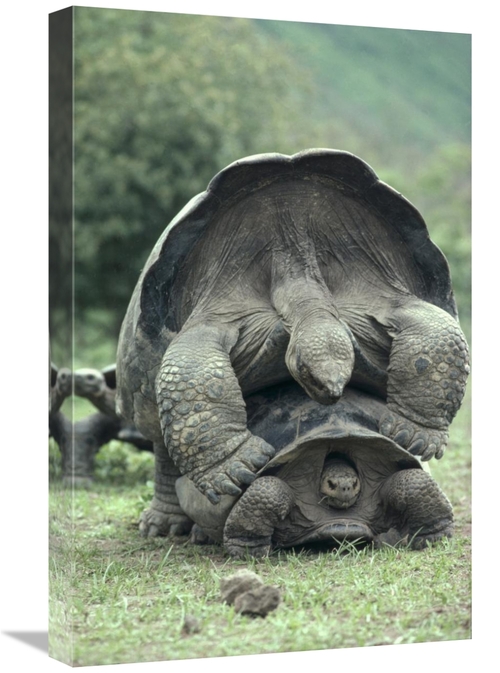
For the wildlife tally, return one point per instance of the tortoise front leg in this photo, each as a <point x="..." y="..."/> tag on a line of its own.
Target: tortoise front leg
<point x="203" y="415"/>
<point x="427" y="373"/>
<point x="165" y="514"/>
<point x="250" y="525"/>
<point x="418" y="507"/>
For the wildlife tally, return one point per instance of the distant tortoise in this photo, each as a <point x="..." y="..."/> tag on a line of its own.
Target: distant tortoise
<point x="304" y="267"/>
<point x="99" y="387"/>
<point x="333" y="478"/>
<point x="79" y="441"/>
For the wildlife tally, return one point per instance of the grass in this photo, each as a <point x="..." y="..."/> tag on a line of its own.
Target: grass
<point x="116" y="597"/>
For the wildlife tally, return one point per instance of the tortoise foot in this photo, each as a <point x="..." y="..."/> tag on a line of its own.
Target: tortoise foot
<point x="240" y="549"/>
<point x="155" y="523"/>
<point x="77" y="482"/>
<point x="391" y="538"/>
<point x="418" y="440"/>
<point x="251" y="523"/>
<point x="423" y="540"/>
<point x="198" y="536"/>
<point x="237" y="470"/>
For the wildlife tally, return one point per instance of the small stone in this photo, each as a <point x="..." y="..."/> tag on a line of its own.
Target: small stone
<point x="249" y="595"/>
<point x="240" y="582"/>
<point x="258" y="602"/>
<point x="191" y="625"/>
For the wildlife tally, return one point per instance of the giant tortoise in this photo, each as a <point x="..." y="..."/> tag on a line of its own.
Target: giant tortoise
<point x="334" y="478"/>
<point x="80" y="440"/>
<point x="303" y="267"/>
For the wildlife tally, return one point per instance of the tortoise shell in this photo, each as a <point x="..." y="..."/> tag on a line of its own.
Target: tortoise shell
<point x="305" y="433"/>
<point x="369" y="240"/>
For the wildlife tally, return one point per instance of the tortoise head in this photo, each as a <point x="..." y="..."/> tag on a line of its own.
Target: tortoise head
<point x="340" y="483"/>
<point x="320" y="357"/>
<point x="89" y="382"/>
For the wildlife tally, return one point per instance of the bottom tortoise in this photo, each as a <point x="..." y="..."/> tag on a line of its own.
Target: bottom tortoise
<point x="334" y="478"/>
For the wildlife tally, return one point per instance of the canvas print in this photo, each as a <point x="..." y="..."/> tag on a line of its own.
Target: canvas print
<point x="259" y="363"/>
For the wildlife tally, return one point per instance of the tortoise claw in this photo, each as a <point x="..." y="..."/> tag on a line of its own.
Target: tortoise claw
<point x="236" y="471"/>
<point x="416" y="439"/>
<point x="223" y="484"/>
<point x="403" y="437"/>
<point x="429" y="452"/>
<point x="416" y="447"/>
<point x="240" y="473"/>
<point x="386" y="425"/>
<point x="156" y="523"/>
<point x="258" y="460"/>
<point x="440" y="452"/>
<point x="212" y="496"/>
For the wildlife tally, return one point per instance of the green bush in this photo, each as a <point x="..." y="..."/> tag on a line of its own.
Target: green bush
<point x="120" y="464"/>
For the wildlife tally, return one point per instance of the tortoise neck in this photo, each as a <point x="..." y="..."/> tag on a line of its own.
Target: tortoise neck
<point x="298" y="289"/>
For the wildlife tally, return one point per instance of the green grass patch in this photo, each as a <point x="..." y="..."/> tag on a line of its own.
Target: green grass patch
<point x="116" y="597"/>
<point x="128" y="597"/>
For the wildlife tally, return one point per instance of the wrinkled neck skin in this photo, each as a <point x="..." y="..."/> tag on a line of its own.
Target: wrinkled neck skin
<point x="297" y="285"/>
<point x="320" y="355"/>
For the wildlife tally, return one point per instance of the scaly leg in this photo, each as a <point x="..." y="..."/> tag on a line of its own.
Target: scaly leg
<point x="421" y="509"/>
<point x="203" y="415"/>
<point x="164" y="515"/>
<point x="427" y="373"/>
<point x="250" y="525"/>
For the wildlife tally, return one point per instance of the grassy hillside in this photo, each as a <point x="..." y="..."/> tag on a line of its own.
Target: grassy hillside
<point x="409" y="89"/>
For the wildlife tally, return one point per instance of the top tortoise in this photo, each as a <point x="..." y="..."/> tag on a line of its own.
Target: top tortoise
<point x="304" y="266"/>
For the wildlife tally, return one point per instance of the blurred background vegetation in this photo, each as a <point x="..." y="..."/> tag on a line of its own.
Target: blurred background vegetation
<point x="164" y="101"/>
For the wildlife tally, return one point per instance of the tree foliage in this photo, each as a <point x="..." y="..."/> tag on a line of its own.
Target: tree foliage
<point x="162" y="103"/>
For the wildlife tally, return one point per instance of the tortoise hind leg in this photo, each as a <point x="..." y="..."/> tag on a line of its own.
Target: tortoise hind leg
<point x="427" y="373"/>
<point x="250" y="525"/>
<point x="165" y="515"/>
<point x="203" y="415"/>
<point x="418" y="508"/>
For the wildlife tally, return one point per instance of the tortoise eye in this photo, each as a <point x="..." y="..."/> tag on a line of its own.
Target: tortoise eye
<point x="306" y="375"/>
<point x="332" y="484"/>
